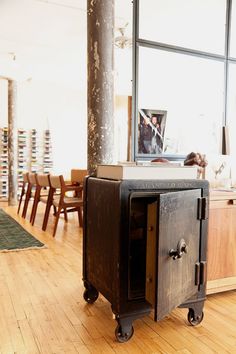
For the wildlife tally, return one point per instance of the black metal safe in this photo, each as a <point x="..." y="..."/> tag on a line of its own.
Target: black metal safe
<point x="144" y="247"/>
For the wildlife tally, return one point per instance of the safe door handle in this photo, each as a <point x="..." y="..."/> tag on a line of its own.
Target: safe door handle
<point x="180" y="250"/>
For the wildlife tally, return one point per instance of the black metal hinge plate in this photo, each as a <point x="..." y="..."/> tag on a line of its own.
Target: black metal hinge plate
<point x="202" y="209"/>
<point x="200" y="272"/>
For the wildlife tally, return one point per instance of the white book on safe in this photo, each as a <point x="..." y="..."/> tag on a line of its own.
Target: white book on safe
<point x="121" y="172"/>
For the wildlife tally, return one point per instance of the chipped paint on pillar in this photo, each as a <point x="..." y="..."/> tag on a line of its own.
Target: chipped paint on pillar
<point x="96" y="59"/>
<point x="12" y="142"/>
<point x="100" y="16"/>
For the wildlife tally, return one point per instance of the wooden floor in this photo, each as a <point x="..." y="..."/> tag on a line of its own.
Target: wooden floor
<point x="42" y="308"/>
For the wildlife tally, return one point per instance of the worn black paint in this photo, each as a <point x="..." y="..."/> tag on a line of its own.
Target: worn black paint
<point x="107" y="243"/>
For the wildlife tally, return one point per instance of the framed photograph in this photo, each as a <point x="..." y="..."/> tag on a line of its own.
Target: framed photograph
<point x="151" y="131"/>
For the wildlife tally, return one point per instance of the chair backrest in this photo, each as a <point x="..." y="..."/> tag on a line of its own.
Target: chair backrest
<point x="78" y="175"/>
<point x="32" y="178"/>
<point x="57" y="181"/>
<point x="43" y="180"/>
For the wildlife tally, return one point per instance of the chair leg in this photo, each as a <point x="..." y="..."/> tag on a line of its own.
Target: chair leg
<point x="80" y="217"/>
<point x="21" y="197"/>
<point x="47" y="210"/>
<point x="56" y="221"/>
<point x="27" y="198"/>
<point x="34" y="211"/>
<point x="46" y="216"/>
<point x="35" y="206"/>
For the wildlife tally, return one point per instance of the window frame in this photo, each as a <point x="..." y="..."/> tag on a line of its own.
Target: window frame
<point x="140" y="42"/>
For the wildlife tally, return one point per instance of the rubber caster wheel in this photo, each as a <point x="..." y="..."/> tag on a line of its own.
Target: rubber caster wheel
<point x="194" y="320"/>
<point x="90" y="295"/>
<point x="123" y="337"/>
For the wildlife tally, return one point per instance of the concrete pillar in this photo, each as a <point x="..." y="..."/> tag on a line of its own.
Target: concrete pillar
<point x="100" y="19"/>
<point x="12" y="142"/>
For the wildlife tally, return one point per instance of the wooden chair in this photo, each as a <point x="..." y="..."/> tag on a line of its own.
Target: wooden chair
<point x="52" y="194"/>
<point x="30" y="191"/>
<point x="64" y="203"/>
<point x="41" y="193"/>
<point x="77" y="176"/>
<point x="23" y="189"/>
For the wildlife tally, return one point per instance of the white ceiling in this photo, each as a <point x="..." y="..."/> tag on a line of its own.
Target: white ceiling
<point x="39" y="23"/>
<point x="46" y="39"/>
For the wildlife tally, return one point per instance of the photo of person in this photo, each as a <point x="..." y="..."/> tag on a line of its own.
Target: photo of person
<point x="151" y="131"/>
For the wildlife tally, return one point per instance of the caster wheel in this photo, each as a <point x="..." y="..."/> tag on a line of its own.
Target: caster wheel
<point x="194" y="320"/>
<point x="90" y="295"/>
<point x="123" y="337"/>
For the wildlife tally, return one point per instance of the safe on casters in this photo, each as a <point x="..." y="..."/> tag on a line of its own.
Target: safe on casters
<point x="144" y="247"/>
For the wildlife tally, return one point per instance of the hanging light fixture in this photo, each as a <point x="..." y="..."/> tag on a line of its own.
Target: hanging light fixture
<point x="122" y="41"/>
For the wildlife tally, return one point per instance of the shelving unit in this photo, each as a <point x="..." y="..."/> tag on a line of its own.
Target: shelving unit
<point x="22" y="156"/>
<point x="47" y="152"/>
<point x="4" y="164"/>
<point x="34" y="154"/>
<point x="34" y="151"/>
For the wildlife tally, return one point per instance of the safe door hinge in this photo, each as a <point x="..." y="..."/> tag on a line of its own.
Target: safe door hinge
<point x="200" y="273"/>
<point x="202" y="208"/>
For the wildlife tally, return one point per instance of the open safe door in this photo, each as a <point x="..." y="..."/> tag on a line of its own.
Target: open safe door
<point x="173" y="250"/>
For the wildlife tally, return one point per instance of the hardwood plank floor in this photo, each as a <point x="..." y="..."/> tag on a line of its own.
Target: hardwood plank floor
<point x="43" y="311"/>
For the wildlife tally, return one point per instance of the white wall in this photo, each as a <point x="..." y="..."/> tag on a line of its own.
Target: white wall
<point x="45" y="105"/>
<point x="121" y="127"/>
<point x="3" y="103"/>
<point x="45" y="50"/>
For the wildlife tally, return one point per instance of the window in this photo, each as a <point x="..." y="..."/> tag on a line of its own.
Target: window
<point x="195" y="24"/>
<point x="233" y="31"/>
<point x="189" y="89"/>
<point x="231" y="111"/>
<point x="185" y="66"/>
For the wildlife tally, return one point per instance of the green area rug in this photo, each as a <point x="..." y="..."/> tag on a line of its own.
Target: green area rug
<point x="13" y="237"/>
